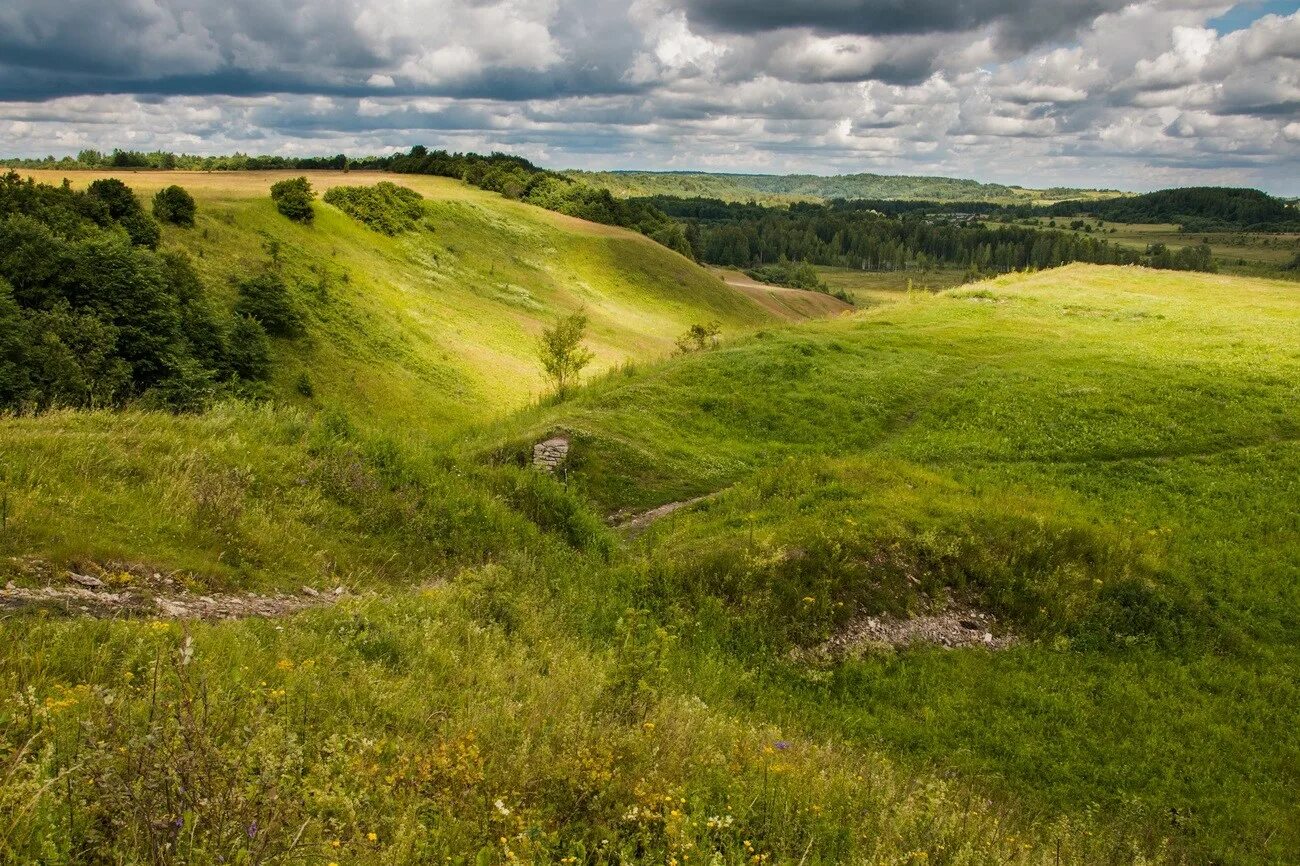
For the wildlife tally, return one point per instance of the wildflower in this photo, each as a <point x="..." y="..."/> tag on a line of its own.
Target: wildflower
<point x="648" y="726"/>
<point x="782" y="745"/>
<point x="284" y="665"/>
<point x="501" y="807"/>
<point x="372" y="836"/>
<point x="808" y="599"/>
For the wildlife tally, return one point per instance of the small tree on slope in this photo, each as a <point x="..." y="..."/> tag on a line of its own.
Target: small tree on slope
<point x="561" y="351"/>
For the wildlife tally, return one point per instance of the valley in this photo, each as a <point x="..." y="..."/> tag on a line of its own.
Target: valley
<point x="444" y="654"/>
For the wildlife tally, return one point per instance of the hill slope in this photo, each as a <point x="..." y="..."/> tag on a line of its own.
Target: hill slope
<point x="439" y="323"/>
<point x="808" y="187"/>
<point x="1104" y="459"/>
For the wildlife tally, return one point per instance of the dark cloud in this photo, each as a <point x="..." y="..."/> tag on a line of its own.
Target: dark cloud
<point x="1093" y="92"/>
<point x="1020" y="23"/>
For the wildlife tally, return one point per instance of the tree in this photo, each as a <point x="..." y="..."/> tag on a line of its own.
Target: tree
<point x="266" y="299"/>
<point x="561" y="351"/>
<point x="174" y="205"/>
<point x="125" y="208"/>
<point x="700" y="337"/>
<point x="250" y="349"/>
<point x="293" y="197"/>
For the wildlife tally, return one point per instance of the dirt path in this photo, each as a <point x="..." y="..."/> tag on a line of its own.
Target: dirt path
<point x="86" y="595"/>
<point x="634" y="526"/>
<point x="789" y="304"/>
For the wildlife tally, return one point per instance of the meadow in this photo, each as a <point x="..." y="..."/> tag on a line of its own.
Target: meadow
<point x="1247" y="253"/>
<point x="1104" y="459"/>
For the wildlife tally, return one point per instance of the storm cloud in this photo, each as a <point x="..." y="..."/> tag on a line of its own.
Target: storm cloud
<point x="1080" y="92"/>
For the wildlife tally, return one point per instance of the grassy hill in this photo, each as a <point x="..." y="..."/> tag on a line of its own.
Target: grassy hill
<point x="1104" y="459"/>
<point x="773" y="188"/>
<point x="1107" y="457"/>
<point x="439" y="323"/>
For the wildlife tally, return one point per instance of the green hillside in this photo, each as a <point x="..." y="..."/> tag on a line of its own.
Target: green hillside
<point x="435" y="324"/>
<point x="1104" y="459"/>
<point x="779" y="188"/>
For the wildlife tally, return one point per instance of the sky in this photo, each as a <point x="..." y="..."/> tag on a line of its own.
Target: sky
<point x="1093" y="93"/>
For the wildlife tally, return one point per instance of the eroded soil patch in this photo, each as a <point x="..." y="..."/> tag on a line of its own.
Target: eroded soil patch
<point x="951" y="628"/>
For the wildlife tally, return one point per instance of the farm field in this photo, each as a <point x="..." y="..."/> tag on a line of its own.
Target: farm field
<point x="1247" y="253"/>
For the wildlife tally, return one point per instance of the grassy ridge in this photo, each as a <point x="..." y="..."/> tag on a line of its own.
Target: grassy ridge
<point x="1155" y="414"/>
<point x="1106" y="457"/>
<point x="434" y="325"/>
<point x="777" y="189"/>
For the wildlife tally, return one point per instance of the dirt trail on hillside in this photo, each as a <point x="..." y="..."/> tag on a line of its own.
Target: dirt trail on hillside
<point x="74" y="593"/>
<point x="789" y="304"/>
<point x="637" y="524"/>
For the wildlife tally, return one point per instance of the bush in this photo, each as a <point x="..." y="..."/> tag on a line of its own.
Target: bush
<point x="174" y="205"/>
<point x="266" y="299"/>
<point x="125" y="208"/>
<point x="250" y="349"/>
<point x="293" y="198"/>
<point x="384" y="207"/>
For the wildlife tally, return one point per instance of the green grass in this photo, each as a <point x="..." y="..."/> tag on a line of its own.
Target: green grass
<point x="438" y="325"/>
<point x="1148" y="420"/>
<point x="1106" y="458"/>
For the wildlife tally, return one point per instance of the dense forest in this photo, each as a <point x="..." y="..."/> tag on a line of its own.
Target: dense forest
<point x="1205" y="208"/>
<point x="1195" y="209"/>
<point x="91" y="314"/>
<point x="751" y="235"/>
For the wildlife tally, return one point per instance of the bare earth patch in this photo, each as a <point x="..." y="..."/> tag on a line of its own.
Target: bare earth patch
<point x="637" y="524"/>
<point x="951" y="628"/>
<point x="126" y="592"/>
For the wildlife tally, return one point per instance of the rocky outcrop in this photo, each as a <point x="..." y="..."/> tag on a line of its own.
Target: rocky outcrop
<point x="551" y="454"/>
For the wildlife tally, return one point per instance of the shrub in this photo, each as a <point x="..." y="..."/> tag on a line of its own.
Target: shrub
<point x="125" y="208"/>
<point x="699" y="337"/>
<point x="266" y="299"/>
<point x="384" y="207"/>
<point x="561" y="351"/>
<point x="174" y="205"/>
<point x="250" y="349"/>
<point x="293" y="198"/>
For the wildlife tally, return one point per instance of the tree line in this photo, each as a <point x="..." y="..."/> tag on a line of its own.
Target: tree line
<point x="749" y="236"/>
<point x="93" y="314"/>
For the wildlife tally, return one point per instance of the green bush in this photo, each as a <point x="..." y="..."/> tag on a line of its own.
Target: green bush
<point x="384" y="207"/>
<point x="174" y="205"/>
<point x="293" y="198"/>
<point x="250" y="349"/>
<point x="266" y="299"/>
<point x="125" y="208"/>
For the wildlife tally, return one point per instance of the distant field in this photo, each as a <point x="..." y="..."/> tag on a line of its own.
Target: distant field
<point x="784" y="189"/>
<point x="1248" y="253"/>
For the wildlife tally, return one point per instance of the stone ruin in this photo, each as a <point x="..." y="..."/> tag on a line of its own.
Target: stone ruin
<point x="550" y="454"/>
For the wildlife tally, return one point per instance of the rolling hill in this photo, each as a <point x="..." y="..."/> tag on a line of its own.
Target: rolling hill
<point x="438" y="323"/>
<point x="454" y="657"/>
<point x="773" y="188"/>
